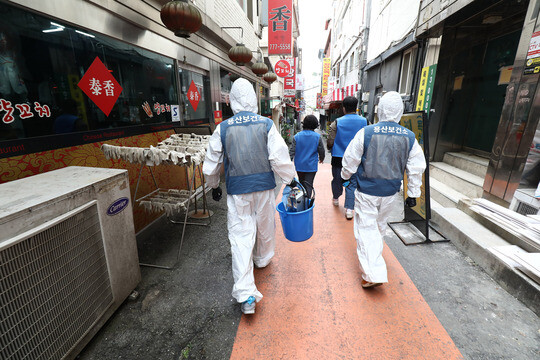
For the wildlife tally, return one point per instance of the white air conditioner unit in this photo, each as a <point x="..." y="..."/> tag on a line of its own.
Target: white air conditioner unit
<point x="68" y="259"/>
<point x="525" y="203"/>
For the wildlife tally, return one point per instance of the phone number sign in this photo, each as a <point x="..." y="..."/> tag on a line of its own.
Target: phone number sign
<point x="280" y="23"/>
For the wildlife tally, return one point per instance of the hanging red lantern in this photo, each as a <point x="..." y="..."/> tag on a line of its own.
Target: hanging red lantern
<point x="181" y="17"/>
<point x="270" y="77"/>
<point x="240" y="54"/>
<point x="259" y="68"/>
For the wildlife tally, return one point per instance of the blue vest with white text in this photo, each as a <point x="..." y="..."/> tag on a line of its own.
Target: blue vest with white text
<point x="245" y="146"/>
<point x="347" y="126"/>
<point x="306" y="156"/>
<point x="386" y="150"/>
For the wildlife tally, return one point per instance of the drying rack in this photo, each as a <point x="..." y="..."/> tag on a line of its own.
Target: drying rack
<point x="185" y="150"/>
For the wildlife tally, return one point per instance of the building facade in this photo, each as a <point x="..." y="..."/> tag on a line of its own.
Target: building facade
<point x="47" y="47"/>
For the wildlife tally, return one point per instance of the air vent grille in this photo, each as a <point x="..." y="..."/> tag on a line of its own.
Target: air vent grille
<point x="54" y="285"/>
<point x="526" y="209"/>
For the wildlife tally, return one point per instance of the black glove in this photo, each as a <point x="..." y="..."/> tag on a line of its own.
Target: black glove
<point x="216" y="193"/>
<point x="410" y="202"/>
<point x="293" y="183"/>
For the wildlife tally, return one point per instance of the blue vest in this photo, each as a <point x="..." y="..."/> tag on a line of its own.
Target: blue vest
<point x="386" y="150"/>
<point x="347" y="126"/>
<point x="306" y="156"/>
<point x="245" y="147"/>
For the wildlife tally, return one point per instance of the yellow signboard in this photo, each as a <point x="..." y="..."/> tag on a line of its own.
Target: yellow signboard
<point x="422" y="89"/>
<point x="425" y="90"/>
<point x="415" y="123"/>
<point x="325" y="75"/>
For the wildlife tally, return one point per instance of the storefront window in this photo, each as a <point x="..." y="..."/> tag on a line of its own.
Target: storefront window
<point x="264" y="106"/>
<point x="196" y="101"/>
<point x="42" y="63"/>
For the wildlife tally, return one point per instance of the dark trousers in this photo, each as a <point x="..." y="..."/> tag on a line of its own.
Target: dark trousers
<point x="306" y="179"/>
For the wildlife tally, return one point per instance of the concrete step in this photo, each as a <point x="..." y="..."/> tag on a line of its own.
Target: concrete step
<point x="468" y="162"/>
<point x="462" y="181"/>
<point x="514" y="239"/>
<point x="444" y="194"/>
<point x="476" y="241"/>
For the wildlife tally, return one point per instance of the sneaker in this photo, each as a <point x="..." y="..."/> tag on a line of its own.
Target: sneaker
<point x="367" y="284"/>
<point x="349" y="213"/>
<point x="248" y="306"/>
<point x="335" y="202"/>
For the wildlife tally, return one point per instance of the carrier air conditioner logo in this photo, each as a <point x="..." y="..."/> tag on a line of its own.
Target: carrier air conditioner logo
<point x="116" y="207"/>
<point x="100" y="86"/>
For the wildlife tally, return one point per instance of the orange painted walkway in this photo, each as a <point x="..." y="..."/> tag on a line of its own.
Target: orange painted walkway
<point x="315" y="308"/>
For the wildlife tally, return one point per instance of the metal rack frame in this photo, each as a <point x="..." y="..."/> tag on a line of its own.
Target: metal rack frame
<point x="192" y="197"/>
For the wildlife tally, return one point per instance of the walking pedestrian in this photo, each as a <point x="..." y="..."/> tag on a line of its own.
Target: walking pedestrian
<point x="340" y="134"/>
<point x="307" y="148"/>
<point x="376" y="158"/>
<point x="252" y="150"/>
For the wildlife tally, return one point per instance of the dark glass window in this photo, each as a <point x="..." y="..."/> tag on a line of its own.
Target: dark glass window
<point x="189" y="82"/>
<point x="42" y="62"/>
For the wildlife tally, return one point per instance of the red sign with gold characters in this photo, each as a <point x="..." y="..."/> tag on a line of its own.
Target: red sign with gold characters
<point x="218" y="117"/>
<point x="280" y="23"/>
<point x="100" y="86"/>
<point x="193" y="95"/>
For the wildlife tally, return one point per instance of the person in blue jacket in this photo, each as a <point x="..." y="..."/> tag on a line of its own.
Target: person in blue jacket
<point x="340" y="134"/>
<point x="307" y="150"/>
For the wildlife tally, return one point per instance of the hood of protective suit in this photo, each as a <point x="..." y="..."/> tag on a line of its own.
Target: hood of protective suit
<point x="390" y="107"/>
<point x="243" y="97"/>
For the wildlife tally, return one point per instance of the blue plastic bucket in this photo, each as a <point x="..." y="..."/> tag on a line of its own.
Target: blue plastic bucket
<point x="297" y="226"/>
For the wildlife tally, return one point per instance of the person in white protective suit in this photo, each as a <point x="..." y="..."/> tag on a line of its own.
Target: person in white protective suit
<point x="251" y="149"/>
<point x="377" y="157"/>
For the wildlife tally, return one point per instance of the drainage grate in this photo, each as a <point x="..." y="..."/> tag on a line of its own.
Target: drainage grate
<point x="54" y="285"/>
<point x="526" y="209"/>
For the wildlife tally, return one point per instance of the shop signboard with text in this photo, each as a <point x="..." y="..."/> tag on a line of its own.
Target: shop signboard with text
<point x="280" y="23"/>
<point x="325" y="75"/>
<point x="415" y="123"/>
<point x="425" y="90"/>
<point x="100" y="86"/>
<point x="282" y="68"/>
<point x="289" y="85"/>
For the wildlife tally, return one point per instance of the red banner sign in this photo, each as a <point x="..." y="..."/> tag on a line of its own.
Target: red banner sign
<point x="100" y="86"/>
<point x="289" y="86"/>
<point x="280" y="23"/>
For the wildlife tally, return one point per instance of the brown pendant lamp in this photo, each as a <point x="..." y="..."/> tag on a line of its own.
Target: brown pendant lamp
<point x="270" y="77"/>
<point x="181" y="17"/>
<point x="240" y="54"/>
<point x="259" y="68"/>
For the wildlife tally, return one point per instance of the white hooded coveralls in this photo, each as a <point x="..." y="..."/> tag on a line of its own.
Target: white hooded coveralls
<point x="250" y="218"/>
<point x="372" y="212"/>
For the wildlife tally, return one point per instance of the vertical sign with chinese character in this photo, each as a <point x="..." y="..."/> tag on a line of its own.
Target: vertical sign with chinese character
<point x="325" y="75"/>
<point x="280" y="23"/>
<point x="289" y="86"/>
<point x="425" y="90"/>
<point x="100" y="86"/>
